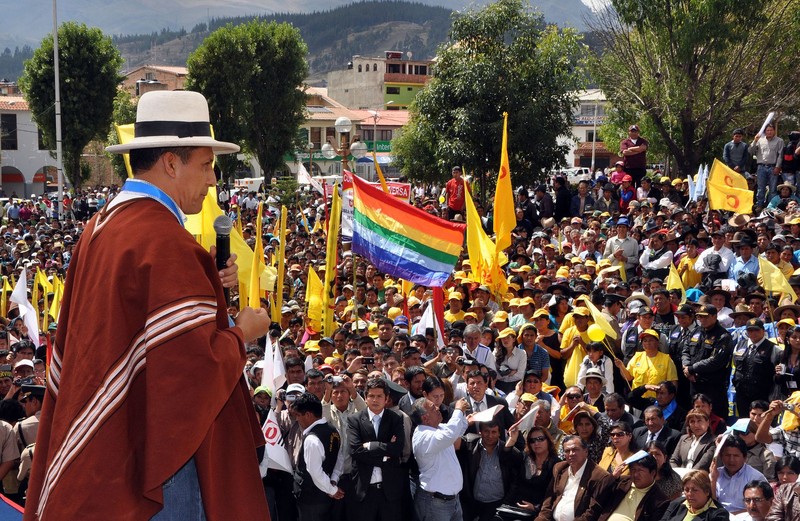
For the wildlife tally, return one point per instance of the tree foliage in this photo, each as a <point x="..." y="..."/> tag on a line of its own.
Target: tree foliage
<point x="124" y="114"/>
<point x="88" y="70"/>
<point x="693" y="70"/>
<point x="252" y="76"/>
<point x="499" y="59"/>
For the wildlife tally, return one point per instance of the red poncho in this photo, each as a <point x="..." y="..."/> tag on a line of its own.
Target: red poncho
<point x="145" y="374"/>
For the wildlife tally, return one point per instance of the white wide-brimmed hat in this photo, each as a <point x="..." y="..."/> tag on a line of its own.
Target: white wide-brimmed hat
<point x="176" y="118"/>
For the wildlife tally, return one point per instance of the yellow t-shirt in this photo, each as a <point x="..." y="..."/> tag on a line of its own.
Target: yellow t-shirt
<point x="573" y="365"/>
<point x="689" y="278"/>
<point x="452" y="317"/>
<point x="653" y="371"/>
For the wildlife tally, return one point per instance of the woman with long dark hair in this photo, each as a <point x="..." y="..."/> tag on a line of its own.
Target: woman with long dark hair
<point x="667" y="479"/>
<point x="537" y="468"/>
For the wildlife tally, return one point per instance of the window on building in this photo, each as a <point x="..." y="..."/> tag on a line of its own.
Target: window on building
<point x="394" y="68"/>
<point x="8" y="131"/>
<point x="316" y="137"/>
<point x="392" y="90"/>
<point x="384" y="135"/>
<point x="374" y="67"/>
<point x="330" y="135"/>
<point x="591" y="137"/>
<point x="359" y="68"/>
<point x="149" y="76"/>
<point x="367" y="134"/>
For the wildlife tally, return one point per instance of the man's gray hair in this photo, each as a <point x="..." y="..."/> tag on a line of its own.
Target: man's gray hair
<point x="472" y="329"/>
<point x="418" y="410"/>
<point x="543" y="405"/>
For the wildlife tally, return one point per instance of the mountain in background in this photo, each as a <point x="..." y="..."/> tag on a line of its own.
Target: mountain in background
<point x="154" y="31"/>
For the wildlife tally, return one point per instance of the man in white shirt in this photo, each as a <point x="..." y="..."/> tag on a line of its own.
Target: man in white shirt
<point x="320" y="462"/>
<point x="622" y="249"/>
<point x="476" y="350"/>
<point x="440" y="477"/>
<point x="727" y="257"/>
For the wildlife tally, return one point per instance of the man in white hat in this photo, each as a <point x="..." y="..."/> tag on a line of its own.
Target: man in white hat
<point x="144" y="337"/>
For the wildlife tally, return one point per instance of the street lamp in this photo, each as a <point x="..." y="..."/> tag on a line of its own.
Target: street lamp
<point x="343" y="126"/>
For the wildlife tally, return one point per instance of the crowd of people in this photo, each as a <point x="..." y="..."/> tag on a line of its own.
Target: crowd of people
<point x="518" y="408"/>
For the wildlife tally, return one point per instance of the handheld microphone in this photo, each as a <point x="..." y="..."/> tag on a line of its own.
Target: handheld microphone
<point x="222" y="227"/>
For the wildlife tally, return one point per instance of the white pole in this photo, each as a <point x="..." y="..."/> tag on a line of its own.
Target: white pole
<point x="594" y="135"/>
<point x="59" y="154"/>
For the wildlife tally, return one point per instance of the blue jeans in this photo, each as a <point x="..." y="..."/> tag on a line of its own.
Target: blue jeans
<point x="765" y="176"/>
<point x="428" y="508"/>
<point x="182" y="498"/>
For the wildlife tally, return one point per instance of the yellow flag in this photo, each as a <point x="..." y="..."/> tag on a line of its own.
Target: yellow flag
<point x="35" y="299"/>
<point x="238" y="219"/>
<point x="773" y="280"/>
<point x="314" y="292"/>
<point x="483" y="255"/>
<point x="305" y="221"/>
<point x="674" y="282"/>
<point x="329" y="298"/>
<point x="276" y="312"/>
<point x="727" y="190"/>
<point x="378" y="170"/>
<point x="598" y="317"/>
<point x="257" y="266"/>
<point x="58" y="294"/>
<point x="505" y="219"/>
<point x="125" y="134"/>
<point x="317" y="226"/>
<point x="5" y="290"/>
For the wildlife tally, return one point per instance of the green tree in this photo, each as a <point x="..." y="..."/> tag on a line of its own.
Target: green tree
<point x="88" y="68"/>
<point x="252" y="76"/>
<point x="124" y="114"/>
<point x="690" y="72"/>
<point x="499" y="59"/>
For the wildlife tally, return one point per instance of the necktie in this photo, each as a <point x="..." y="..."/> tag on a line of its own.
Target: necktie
<point x="651" y="437"/>
<point x="376" y="421"/>
<point x="479" y="406"/>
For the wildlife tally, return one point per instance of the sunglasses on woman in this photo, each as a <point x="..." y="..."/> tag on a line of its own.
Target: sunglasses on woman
<point x="536" y="439"/>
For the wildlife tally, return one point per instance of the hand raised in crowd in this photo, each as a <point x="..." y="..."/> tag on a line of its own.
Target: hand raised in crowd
<point x="619" y="469"/>
<point x="462" y="405"/>
<point x="230" y="275"/>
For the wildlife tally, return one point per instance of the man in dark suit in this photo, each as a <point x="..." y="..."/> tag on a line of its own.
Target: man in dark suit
<point x="490" y="469"/>
<point x="655" y="428"/>
<point x="635" y="494"/>
<point x="580" y="478"/>
<point x="477" y="383"/>
<point x="376" y="445"/>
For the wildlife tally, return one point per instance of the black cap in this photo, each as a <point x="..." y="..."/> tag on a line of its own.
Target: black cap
<point x="541" y="188"/>
<point x="707" y="309"/>
<point x="685" y="309"/>
<point x="754" y="323"/>
<point x="37" y="391"/>
<point x="645" y="310"/>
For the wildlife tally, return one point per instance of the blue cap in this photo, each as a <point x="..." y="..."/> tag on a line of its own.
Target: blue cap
<point x="693" y="294"/>
<point x="623" y="221"/>
<point x="401" y="320"/>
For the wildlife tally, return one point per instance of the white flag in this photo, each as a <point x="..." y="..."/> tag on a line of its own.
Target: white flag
<point x="304" y="178"/>
<point x="278" y="369"/>
<point x="267" y="378"/>
<point x="275" y="454"/>
<point x="428" y="320"/>
<point x="26" y="311"/>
